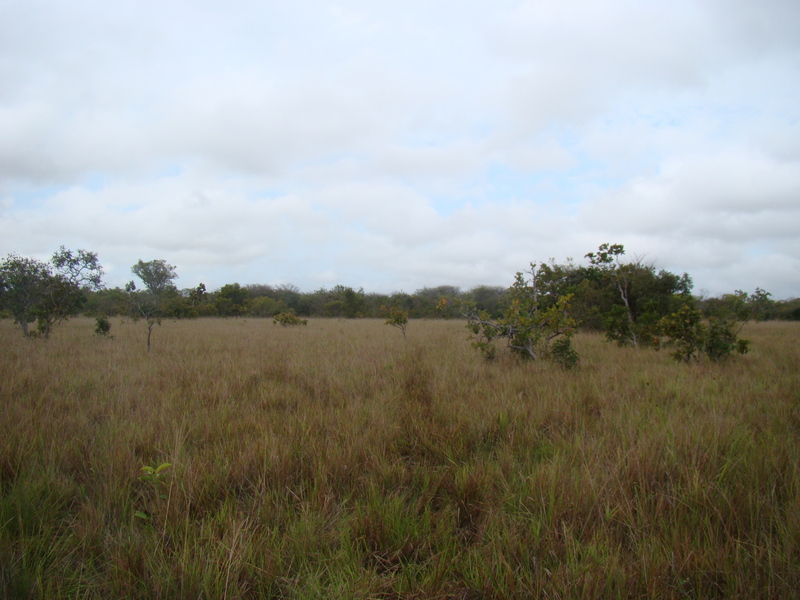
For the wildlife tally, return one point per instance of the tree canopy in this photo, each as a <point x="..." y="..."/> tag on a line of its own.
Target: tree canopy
<point x="48" y="292"/>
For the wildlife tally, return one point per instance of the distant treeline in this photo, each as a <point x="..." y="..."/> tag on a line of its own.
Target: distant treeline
<point x="259" y="300"/>
<point x="626" y="300"/>
<point x="595" y="299"/>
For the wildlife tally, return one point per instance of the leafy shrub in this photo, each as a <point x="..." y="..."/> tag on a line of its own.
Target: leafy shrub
<point x="288" y="319"/>
<point x="564" y="354"/>
<point x="530" y="322"/>
<point x="102" y="326"/>
<point x="396" y="318"/>
<point x="686" y="332"/>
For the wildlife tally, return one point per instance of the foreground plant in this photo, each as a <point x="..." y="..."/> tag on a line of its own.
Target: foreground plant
<point x="156" y="478"/>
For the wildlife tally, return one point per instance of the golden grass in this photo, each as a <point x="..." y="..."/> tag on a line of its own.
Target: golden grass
<point x="339" y="461"/>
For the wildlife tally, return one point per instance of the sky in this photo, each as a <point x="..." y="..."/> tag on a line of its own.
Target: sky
<point x="396" y="145"/>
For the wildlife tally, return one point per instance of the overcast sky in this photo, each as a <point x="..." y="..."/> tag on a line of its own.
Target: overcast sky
<point x="394" y="145"/>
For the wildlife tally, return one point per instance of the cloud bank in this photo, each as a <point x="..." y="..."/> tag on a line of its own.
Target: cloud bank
<point x="396" y="146"/>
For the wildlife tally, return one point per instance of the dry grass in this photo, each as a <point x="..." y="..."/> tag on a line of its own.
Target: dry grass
<point x="339" y="461"/>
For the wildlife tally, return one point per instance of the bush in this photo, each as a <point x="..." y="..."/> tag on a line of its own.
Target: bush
<point x="396" y="317"/>
<point x="103" y="326"/>
<point x="564" y="354"/>
<point x="288" y="319"/>
<point x="529" y="323"/>
<point x="686" y="332"/>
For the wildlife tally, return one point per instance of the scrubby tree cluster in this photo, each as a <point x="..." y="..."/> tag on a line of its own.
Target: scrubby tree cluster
<point x="632" y="303"/>
<point x="623" y="300"/>
<point x="47" y="293"/>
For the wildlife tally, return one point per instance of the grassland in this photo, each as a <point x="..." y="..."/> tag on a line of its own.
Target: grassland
<point x="339" y="461"/>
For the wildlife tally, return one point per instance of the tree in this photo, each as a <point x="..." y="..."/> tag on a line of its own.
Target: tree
<point x="198" y="294"/>
<point x="264" y="306"/>
<point x="22" y="285"/>
<point x="788" y="310"/>
<point x="688" y="335"/>
<point x="230" y="300"/>
<point x="156" y="275"/>
<point x="290" y="295"/>
<point x="107" y="302"/>
<point x="607" y="260"/>
<point x="427" y="302"/>
<point x="740" y="306"/>
<point x="48" y="293"/>
<point x="631" y="298"/>
<point x="492" y="299"/>
<point x="74" y="274"/>
<point x="148" y="304"/>
<point x="344" y="301"/>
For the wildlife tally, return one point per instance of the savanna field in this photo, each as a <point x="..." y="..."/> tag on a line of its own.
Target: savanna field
<point x="339" y="460"/>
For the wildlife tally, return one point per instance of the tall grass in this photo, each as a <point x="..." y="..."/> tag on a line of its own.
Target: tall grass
<point x="339" y="461"/>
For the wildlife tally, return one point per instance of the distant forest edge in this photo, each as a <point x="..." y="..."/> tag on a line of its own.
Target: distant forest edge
<point x="340" y="301"/>
<point x="608" y="289"/>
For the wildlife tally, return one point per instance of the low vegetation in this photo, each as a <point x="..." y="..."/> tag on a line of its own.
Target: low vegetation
<point x="529" y="325"/>
<point x="241" y="460"/>
<point x="288" y="320"/>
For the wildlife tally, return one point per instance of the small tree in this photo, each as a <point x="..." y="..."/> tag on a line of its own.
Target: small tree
<point x="607" y="261"/>
<point x="197" y="295"/>
<point x="630" y="298"/>
<point x="528" y="324"/>
<point x="148" y="304"/>
<point x="396" y="317"/>
<point x="684" y="332"/>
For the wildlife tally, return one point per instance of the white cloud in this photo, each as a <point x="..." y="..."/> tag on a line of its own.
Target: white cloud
<point x="398" y="146"/>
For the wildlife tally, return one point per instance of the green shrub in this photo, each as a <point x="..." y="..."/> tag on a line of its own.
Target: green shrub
<point x="102" y="326"/>
<point x="396" y="318"/>
<point x="529" y="323"/>
<point x="686" y="332"/>
<point x="287" y="319"/>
